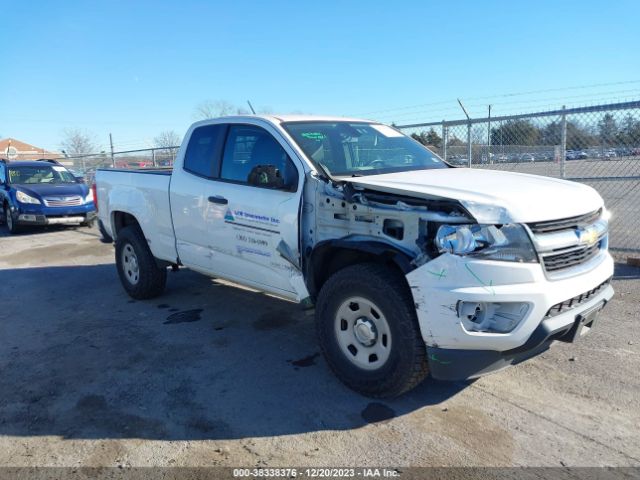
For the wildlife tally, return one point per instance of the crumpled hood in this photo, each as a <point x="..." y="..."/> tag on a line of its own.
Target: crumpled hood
<point x="491" y="196"/>
<point x="48" y="190"/>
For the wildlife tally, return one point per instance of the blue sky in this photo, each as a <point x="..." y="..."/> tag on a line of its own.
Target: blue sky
<point x="135" y="68"/>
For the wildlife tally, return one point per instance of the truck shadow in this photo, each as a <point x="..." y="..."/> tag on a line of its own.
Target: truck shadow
<point x="624" y="271"/>
<point x="80" y="359"/>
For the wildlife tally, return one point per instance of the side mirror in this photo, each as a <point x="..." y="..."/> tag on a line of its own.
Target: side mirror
<point x="266" y="176"/>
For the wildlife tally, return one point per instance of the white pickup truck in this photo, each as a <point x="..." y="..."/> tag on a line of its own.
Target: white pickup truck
<point x="412" y="266"/>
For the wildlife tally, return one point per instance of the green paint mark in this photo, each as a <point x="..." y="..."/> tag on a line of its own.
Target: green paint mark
<point x="436" y="359"/>
<point x="440" y="275"/>
<point x="488" y="287"/>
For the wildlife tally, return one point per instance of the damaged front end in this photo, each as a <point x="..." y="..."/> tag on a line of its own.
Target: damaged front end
<point x="478" y="289"/>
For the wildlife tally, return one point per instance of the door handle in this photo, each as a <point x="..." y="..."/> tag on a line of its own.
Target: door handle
<point x="218" y="199"/>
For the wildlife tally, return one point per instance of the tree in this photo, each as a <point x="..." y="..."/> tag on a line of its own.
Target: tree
<point x="166" y="139"/>
<point x="629" y="133"/>
<point x="77" y="142"/>
<point x="578" y="137"/>
<point x="515" y="132"/>
<point x="419" y="137"/>
<point x="608" y="129"/>
<point x="214" y="108"/>
<point x="433" y="138"/>
<point x="428" y="138"/>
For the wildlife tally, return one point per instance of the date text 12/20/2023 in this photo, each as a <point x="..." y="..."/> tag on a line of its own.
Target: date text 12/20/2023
<point x="316" y="472"/>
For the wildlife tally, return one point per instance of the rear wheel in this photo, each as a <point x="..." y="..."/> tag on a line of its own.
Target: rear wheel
<point x="368" y="330"/>
<point x="140" y="275"/>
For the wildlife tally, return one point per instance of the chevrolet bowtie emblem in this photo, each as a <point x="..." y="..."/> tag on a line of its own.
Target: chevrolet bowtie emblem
<point x="587" y="236"/>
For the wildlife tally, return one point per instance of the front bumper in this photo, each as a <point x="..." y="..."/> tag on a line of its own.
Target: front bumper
<point x="40" y="215"/>
<point x="456" y="353"/>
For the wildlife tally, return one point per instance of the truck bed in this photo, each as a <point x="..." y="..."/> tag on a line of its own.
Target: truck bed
<point x="143" y="193"/>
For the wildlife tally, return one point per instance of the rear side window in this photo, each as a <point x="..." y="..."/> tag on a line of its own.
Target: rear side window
<point x="203" y="151"/>
<point x="3" y="175"/>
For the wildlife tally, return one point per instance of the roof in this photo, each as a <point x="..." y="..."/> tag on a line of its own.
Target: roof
<point x="18" y="145"/>
<point x="29" y="163"/>
<point x="23" y="150"/>
<point x="317" y="118"/>
<point x="276" y="118"/>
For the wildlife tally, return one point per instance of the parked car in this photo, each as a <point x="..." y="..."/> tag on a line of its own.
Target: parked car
<point x="79" y="176"/>
<point x="412" y="266"/>
<point x="43" y="193"/>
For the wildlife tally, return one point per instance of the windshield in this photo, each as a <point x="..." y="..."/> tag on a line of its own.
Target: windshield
<point x="40" y="174"/>
<point x="355" y="149"/>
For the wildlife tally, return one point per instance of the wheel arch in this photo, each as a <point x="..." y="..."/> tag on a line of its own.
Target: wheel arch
<point x="329" y="256"/>
<point x="121" y="219"/>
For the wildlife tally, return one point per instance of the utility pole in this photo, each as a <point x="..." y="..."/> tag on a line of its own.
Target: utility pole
<point x="113" y="160"/>
<point x="489" y="137"/>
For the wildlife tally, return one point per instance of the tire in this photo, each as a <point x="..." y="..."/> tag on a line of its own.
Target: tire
<point x="11" y="225"/>
<point x="139" y="274"/>
<point x="89" y="223"/>
<point x="367" y="303"/>
<point x="106" y="238"/>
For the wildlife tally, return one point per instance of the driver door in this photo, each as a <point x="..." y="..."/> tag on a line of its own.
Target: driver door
<point x="252" y="207"/>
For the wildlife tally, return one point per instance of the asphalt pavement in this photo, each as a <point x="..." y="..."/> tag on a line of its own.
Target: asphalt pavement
<point x="211" y="374"/>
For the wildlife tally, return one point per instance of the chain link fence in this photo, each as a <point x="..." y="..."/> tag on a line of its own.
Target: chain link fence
<point x="86" y="165"/>
<point x="598" y="146"/>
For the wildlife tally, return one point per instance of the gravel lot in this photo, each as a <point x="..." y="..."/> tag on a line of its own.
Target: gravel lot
<point x="210" y="374"/>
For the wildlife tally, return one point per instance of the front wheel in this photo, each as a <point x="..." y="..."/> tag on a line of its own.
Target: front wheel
<point x="11" y="224"/>
<point x="368" y="330"/>
<point x="88" y="223"/>
<point x="140" y="275"/>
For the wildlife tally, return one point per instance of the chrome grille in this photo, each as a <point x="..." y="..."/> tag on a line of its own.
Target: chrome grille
<point x="565" y="223"/>
<point x="67" y="201"/>
<point x="570" y="257"/>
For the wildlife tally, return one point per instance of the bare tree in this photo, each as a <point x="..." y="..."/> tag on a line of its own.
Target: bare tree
<point x="77" y="142"/>
<point x="166" y="139"/>
<point x="221" y="108"/>
<point x="214" y="108"/>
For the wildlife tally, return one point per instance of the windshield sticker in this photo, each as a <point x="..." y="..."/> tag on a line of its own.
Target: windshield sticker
<point x="313" y="135"/>
<point x="387" y="131"/>
<point x="59" y="169"/>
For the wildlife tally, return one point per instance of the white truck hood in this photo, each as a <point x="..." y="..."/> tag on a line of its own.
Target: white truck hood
<point x="491" y="196"/>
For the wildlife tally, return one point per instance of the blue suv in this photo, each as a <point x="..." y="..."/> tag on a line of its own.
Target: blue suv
<point x="43" y="193"/>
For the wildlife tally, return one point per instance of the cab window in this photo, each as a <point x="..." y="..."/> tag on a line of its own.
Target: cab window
<point x="203" y="150"/>
<point x="254" y="157"/>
